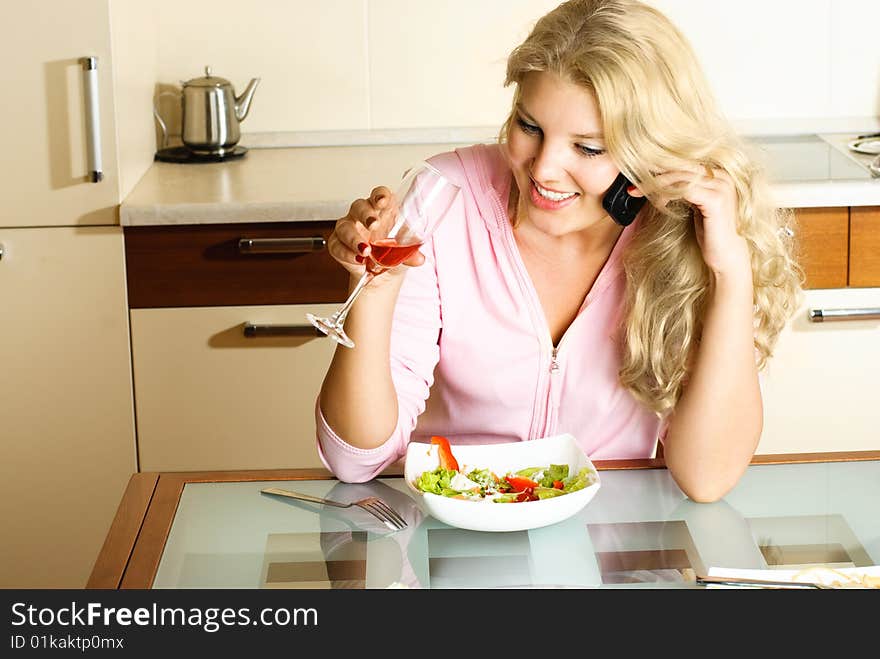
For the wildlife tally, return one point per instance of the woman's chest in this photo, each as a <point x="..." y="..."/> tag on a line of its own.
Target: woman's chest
<point x="560" y="289"/>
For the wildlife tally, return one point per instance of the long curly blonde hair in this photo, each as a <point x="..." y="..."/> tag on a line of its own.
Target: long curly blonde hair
<point x="659" y="114"/>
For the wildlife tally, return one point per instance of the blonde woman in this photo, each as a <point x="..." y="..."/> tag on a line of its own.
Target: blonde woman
<point x="536" y="310"/>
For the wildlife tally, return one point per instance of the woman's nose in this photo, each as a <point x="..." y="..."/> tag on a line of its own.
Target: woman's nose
<point x="548" y="163"/>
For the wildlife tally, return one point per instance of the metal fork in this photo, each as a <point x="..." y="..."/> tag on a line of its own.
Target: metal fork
<point x="373" y="505"/>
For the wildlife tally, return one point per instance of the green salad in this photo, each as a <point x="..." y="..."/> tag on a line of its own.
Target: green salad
<point x="529" y="484"/>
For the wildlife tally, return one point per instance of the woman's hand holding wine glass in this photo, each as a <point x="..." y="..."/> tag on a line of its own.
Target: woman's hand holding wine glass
<point x="349" y="244"/>
<point x="385" y="231"/>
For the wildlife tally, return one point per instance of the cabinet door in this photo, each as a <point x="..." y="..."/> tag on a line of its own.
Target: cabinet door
<point x="207" y="397"/>
<point x="820" y="389"/>
<point x="66" y="422"/>
<point x="864" y="258"/>
<point x="822" y="236"/>
<point x="44" y="149"/>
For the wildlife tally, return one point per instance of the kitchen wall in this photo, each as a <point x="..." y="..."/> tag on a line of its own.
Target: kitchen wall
<point x="389" y="64"/>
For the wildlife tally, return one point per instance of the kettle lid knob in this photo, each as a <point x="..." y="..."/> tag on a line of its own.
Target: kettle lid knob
<point x="208" y="81"/>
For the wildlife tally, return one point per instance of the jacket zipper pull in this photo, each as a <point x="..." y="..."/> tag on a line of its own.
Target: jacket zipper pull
<point x="554" y="364"/>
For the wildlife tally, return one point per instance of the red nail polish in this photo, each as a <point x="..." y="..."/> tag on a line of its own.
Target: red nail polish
<point x="359" y="258"/>
<point x="630" y="189"/>
<point x="362" y="247"/>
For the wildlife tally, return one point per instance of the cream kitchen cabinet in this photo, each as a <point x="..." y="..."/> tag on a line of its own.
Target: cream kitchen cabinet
<point x="45" y="156"/>
<point x="209" y="397"/>
<point x="66" y="424"/>
<point x="821" y="388"/>
<point x="66" y="409"/>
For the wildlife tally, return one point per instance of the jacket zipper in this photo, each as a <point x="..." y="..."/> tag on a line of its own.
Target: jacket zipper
<point x="543" y="425"/>
<point x="552" y="392"/>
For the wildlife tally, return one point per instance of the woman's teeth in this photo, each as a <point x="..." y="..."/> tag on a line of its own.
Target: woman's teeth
<point x="553" y="196"/>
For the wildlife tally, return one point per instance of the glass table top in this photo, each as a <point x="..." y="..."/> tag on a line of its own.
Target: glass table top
<point x="638" y="531"/>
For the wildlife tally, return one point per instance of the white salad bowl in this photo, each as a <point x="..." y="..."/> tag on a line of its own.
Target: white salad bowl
<point x="501" y="459"/>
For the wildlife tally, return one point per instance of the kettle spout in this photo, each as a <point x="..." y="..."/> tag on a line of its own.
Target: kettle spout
<point x="243" y="101"/>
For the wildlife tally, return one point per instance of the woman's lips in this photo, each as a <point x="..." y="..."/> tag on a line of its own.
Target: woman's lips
<point x="547" y="204"/>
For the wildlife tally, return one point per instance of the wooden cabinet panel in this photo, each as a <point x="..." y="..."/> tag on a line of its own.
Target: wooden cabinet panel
<point x="822" y="236"/>
<point x="864" y="257"/>
<point x="209" y="398"/>
<point x="202" y="265"/>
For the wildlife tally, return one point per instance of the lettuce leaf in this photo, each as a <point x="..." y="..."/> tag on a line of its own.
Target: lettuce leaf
<point x="437" y="481"/>
<point x="582" y="479"/>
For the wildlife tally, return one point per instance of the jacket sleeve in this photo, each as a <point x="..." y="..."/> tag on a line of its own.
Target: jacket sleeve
<point x="415" y="333"/>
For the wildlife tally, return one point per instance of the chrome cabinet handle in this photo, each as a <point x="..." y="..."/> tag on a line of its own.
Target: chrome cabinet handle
<point x="281" y="245"/>
<point x="822" y="315"/>
<point x="1" y="251"/>
<point x="93" y="118"/>
<point x="255" y="331"/>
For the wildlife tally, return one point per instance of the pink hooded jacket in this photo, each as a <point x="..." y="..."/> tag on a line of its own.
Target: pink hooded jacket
<point x="470" y="331"/>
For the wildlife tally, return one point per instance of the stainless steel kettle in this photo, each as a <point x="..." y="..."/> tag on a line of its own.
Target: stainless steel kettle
<point x="211" y="114"/>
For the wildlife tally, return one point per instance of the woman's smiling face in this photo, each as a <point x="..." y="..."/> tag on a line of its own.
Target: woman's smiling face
<point x="557" y="154"/>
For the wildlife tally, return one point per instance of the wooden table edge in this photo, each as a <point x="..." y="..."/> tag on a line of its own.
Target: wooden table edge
<point x="113" y="558"/>
<point x="147" y="552"/>
<point x="142" y="562"/>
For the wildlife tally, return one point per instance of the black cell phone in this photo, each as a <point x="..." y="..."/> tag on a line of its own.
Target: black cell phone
<point x="621" y="206"/>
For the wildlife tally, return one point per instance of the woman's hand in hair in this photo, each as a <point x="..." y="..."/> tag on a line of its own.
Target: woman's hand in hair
<point x="713" y="196"/>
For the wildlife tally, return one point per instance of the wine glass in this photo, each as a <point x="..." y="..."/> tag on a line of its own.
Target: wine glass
<point x="418" y="205"/>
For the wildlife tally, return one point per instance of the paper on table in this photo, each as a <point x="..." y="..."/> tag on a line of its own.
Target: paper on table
<point x="843" y="577"/>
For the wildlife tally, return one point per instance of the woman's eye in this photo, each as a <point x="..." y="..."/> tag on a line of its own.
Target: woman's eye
<point x="590" y="151"/>
<point x="526" y="127"/>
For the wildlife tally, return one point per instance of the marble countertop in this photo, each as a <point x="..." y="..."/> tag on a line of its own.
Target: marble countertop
<point x="268" y="184"/>
<point x="302" y="183"/>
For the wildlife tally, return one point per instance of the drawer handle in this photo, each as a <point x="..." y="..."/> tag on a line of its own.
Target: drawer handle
<point x="822" y="315"/>
<point x="254" y="331"/>
<point x="281" y="245"/>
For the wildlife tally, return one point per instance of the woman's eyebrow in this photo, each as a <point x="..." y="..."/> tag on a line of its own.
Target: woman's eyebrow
<point x="580" y="136"/>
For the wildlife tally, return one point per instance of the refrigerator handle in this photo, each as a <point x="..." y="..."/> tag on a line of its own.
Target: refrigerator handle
<point x="93" y="118"/>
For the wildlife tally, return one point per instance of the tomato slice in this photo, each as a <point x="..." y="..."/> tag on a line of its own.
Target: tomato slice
<point x="447" y="460"/>
<point x="520" y="483"/>
<point x="527" y="494"/>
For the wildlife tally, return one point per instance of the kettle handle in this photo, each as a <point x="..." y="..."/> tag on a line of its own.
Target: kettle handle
<point x="159" y="119"/>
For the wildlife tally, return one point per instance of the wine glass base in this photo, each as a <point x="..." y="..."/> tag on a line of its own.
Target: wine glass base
<point x="331" y="329"/>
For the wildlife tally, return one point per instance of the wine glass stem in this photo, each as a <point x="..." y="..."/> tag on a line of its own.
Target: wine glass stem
<point x="342" y="312"/>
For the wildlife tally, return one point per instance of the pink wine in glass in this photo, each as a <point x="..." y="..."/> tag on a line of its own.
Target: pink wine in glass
<point x="423" y="198"/>
<point x="387" y="253"/>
